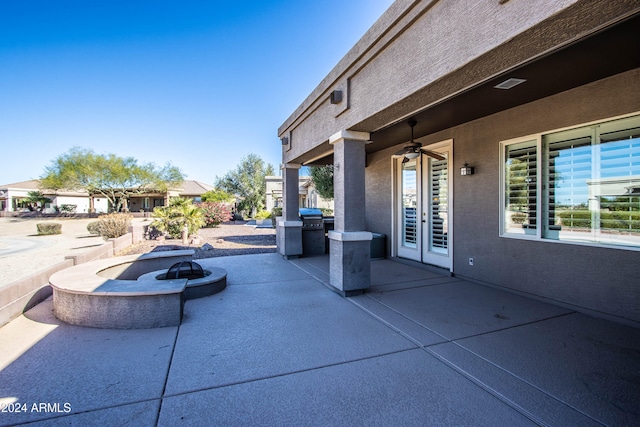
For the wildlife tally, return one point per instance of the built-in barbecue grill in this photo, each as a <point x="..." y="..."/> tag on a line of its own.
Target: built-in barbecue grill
<point x="313" y="233"/>
<point x="311" y="218"/>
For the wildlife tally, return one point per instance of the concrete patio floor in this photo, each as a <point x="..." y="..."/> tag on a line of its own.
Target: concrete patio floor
<point x="277" y="347"/>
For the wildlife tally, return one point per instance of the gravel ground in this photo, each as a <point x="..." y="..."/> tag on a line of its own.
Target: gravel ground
<point x="233" y="238"/>
<point x="23" y="252"/>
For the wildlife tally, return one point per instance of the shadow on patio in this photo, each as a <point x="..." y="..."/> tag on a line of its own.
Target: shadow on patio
<point x="277" y="347"/>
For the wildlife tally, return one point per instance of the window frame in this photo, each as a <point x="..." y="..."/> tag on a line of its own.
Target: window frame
<point x="540" y="186"/>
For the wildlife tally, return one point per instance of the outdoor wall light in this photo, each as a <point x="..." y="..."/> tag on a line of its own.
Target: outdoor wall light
<point x="466" y="170"/>
<point x="285" y="141"/>
<point x="336" y="97"/>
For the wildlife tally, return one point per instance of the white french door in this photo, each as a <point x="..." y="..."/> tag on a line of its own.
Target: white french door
<point x="424" y="229"/>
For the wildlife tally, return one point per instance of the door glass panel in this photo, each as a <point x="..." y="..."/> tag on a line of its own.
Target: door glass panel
<point x="409" y="204"/>
<point x="439" y="219"/>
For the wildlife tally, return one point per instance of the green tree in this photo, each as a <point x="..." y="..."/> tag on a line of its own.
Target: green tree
<point x="322" y="177"/>
<point x="217" y="196"/>
<point x="247" y="183"/>
<point x="107" y="175"/>
<point x="36" y="201"/>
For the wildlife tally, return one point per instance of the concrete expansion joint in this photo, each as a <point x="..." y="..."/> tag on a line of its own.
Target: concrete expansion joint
<point x="452" y="365"/>
<point x="281" y="375"/>
<point x="487" y="388"/>
<point x="166" y="377"/>
<point x="386" y="323"/>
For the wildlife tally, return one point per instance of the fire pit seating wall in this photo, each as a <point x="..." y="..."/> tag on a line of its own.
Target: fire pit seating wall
<point x="129" y="292"/>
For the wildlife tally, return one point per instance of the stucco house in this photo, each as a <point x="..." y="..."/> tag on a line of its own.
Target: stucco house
<point x="308" y="195"/>
<point x="11" y="196"/>
<point x="529" y="112"/>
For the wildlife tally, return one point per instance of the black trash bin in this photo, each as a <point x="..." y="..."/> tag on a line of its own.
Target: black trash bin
<point x="328" y="226"/>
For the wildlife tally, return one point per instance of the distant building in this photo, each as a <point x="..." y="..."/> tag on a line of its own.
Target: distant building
<point x="308" y="195"/>
<point x="12" y="197"/>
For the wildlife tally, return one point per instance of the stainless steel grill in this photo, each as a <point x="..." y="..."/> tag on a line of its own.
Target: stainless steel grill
<point x="311" y="219"/>
<point x="313" y="233"/>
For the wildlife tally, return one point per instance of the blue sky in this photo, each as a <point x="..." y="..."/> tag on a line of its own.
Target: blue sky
<point x="198" y="83"/>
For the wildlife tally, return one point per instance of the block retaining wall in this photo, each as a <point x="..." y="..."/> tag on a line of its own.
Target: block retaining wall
<point x="24" y="294"/>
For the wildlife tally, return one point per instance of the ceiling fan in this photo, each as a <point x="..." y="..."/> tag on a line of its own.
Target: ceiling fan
<point x="414" y="149"/>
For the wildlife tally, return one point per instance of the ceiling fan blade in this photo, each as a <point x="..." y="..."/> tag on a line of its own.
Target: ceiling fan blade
<point x="403" y="151"/>
<point x="405" y="160"/>
<point x="432" y="154"/>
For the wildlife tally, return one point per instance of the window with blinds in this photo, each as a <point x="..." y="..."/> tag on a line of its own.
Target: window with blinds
<point x="568" y="169"/>
<point x="520" y="195"/>
<point x="590" y="189"/>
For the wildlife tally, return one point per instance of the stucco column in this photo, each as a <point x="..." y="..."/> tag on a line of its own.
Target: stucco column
<point x="350" y="244"/>
<point x="289" y="227"/>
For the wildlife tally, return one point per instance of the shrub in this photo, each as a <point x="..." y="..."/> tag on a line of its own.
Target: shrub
<point x="575" y="218"/>
<point x="113" y="225"/>
<point x="263" y="215"/>
<point x="276" y="211"/>
<point x="68" y="208"/>
<point x="615" y="220"/>
<point x="49" y="228"/>
<point x="180" y="213"/>
<point x="215" y="213"/>
<point x="519" y="217"/>
<point x="94" y="228"/>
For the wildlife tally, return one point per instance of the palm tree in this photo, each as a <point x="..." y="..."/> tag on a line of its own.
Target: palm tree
<point x="180" y="213"/>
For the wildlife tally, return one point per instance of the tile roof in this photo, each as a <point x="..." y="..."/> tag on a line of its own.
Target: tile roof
<point x="193" y="188"/>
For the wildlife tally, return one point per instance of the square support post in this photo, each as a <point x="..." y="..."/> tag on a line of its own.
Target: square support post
<point x="289" y="228"/>
<point x="350" y="244"/>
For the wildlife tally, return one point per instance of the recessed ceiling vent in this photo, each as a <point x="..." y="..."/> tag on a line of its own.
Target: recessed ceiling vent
<point x="509" y="83"/>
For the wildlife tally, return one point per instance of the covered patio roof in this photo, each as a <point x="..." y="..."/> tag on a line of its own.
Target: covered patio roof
<point x="455" y="99"/>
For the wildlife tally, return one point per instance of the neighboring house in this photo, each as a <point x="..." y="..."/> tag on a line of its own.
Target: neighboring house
<point x="541" y="100"/>
<point x="12" y="196"/>
<point x="308" y="196"/>
<point x="188" y="189"/>
<point x="194" y="190"/>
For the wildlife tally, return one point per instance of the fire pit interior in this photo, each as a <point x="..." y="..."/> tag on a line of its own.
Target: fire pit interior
<point x="184" y="270"/>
